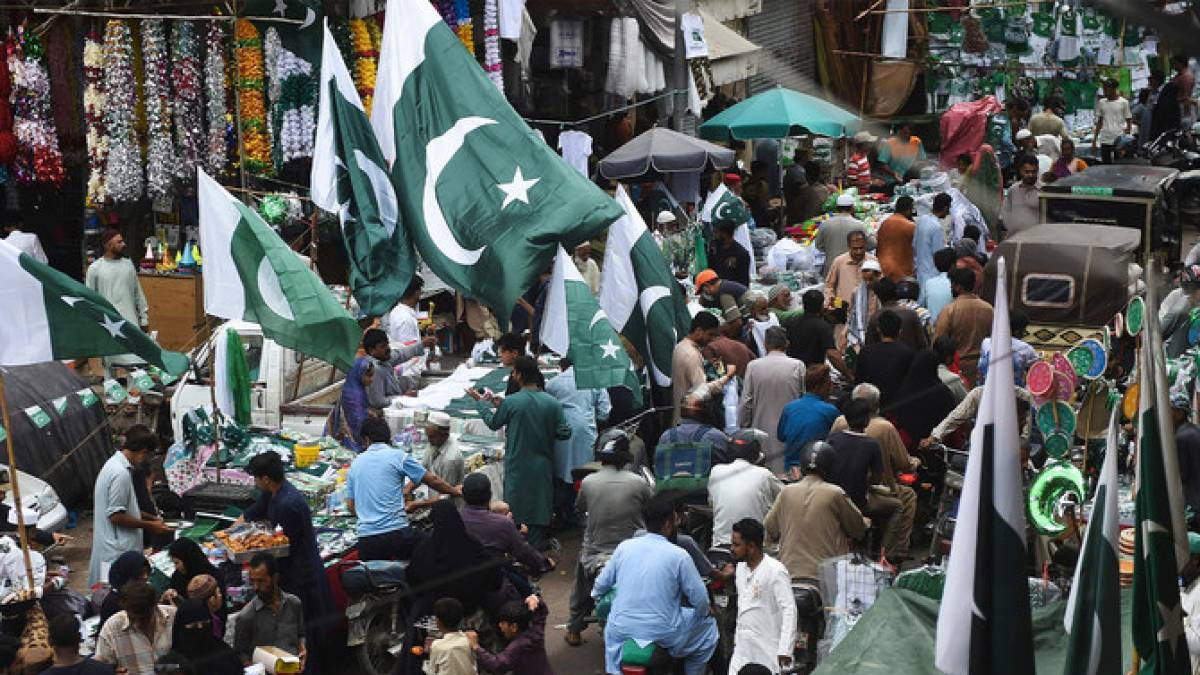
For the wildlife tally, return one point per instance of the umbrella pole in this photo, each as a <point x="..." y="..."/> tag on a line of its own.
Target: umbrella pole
<point x="16" y="484"/>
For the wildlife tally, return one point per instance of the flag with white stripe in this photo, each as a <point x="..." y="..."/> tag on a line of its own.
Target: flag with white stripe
<point x="984" y="624"/>
<point x="1093" y="616"/>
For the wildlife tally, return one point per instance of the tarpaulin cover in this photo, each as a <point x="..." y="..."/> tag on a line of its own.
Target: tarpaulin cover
<point x="897" y="636"/>
<point x="963" y="127"/>
<point x="38" y="450"/>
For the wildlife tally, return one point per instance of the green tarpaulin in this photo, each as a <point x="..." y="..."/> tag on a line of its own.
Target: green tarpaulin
<point x="897" y="636"/>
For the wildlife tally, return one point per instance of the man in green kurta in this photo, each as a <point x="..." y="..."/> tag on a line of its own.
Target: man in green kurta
<point x="115" y="279"/>
<point x="535" y="420"/>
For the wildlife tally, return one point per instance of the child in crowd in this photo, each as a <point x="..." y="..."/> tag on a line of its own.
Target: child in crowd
<point x="452" y="654"/>
<point x="524" y="626"/>
<point x="502" y="508"/>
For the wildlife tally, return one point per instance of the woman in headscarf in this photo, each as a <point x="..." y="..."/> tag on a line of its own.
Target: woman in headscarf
<point x="195" y="648"/>
<point x="190" y="562"/>
<point x="984" y="187"/>
<point x="922" y="401"/>
<point x="345" y="422"/>
<point x="129" y="566"/>
<point x="451" y="563"/>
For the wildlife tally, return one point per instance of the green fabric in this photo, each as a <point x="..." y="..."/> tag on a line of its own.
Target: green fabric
<point x="238" y="377"/>
<point x="700" y="257"/>
<point x="897" y="636"/>
<point x="533" y="420"/>
<point x="506" y="199"/>
<point x="777" y="113"/>
<point x="1096" y="614"/>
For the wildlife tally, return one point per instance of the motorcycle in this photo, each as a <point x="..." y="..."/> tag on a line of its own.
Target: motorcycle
<point x="810" y="624"/>
<point x="377" y="615"/>
<point x="955" y="463"/>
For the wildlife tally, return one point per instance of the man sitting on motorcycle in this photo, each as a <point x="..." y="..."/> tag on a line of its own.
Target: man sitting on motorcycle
<point x="699" y="416"/>
<point x="498" y="533"/>
<point x="653" y="578"/>
<point x="741" y="489"/>
<point x="814" y="519"/>
<point x="612" y="499"/>
<point x="766" y="608"/>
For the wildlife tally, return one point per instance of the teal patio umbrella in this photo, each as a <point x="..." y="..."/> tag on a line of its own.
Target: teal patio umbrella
<point x="778" y="113"/>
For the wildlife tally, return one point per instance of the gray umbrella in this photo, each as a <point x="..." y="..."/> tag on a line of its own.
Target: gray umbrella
<point x="663" y="151"/>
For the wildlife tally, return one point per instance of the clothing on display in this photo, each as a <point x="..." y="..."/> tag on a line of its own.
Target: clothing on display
<point x="512" y="13"/>
<point x="895" y="30"/>
<point x="693" y="36"/>
<point x="576" y="147"/>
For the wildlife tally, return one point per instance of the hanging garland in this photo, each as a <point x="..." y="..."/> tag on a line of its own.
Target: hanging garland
<point x="256" y="147"/>
<point x="8" y="140"/>
<point x="366" y="51"/>
<point x="39" y="159"/>
<point x="123" y="168"/>
<point x="160" y="148"/>
<point x="189" y="115"/>
<point x="293" y="101"/>
<point x="464" y="27"/>
<point x="272" y="46"/>
<point x="93" y="115"/>
<point x="491" y="45"/>
<point x="217" y="145"/>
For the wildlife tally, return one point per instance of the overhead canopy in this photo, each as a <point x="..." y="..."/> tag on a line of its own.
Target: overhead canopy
<point x="733" y="58"/>
<point x="663" y="151"/>
<point x="778" y="113"/>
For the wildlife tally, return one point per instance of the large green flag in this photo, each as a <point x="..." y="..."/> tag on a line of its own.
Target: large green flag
<point x="50" y="317"/>
<point x="251" y="274"/>
<point x="1160" y="544"/>
<point x="486" y="201"/>
<point x="574" y="325"/>
<point x="349" y="177"/>
<point x="1093" y="616"/>
<point x="640" y="295"/>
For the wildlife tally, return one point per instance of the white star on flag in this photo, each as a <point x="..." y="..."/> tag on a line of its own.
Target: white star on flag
<point x="71" y="299"/>
<point x="113" y="327"/>
<point x="280" y="7"/>
<point x="517" y="190"/>
<point x="610" y="350"/>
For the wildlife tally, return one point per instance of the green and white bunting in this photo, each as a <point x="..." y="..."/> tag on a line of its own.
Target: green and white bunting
<point x="114" y="392"/>
<point x="39" y="417"/>
<point x="486" y="201"/>
<point x="87" y="397"/>
<point x="60" y="405"/>
<point x="575" y="326"/>
<point x="141" y="380"/>
<point x="251" y="274"/>
<point x="52" y="317"/>
<point x="349" y="177"/>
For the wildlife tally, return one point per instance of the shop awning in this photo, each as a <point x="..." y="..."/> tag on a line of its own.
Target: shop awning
<point x="733" y="57"/>
<point x="727" y="10"/>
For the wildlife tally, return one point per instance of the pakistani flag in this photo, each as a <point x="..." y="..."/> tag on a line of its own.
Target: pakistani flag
<point x="640" y="295"/>
<point x="575" y="325"/>
<point x="724" y="207"/>
<point x="251" y="274"/>
<point x="349" y="177"/>
<point x="51" y="317"/>
<point x="984" y="625"/>
<point x="1160" y="550"/>
<point x="486" y="201"/>
<point x="1093" y="616"/>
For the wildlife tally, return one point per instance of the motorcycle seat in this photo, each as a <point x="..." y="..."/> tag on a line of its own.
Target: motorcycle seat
<point x="364" y="577"/>
<point x="808" y="599"/>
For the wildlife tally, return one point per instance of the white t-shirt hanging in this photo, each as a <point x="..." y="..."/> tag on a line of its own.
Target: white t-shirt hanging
<point x="693" y="36"/>
<point x="576" y="147"/>
<point x="566" y="43"/>
<point x="510" y="14"/>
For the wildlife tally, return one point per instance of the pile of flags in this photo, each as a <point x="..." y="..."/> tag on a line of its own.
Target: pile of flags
<point x="984" y="623"/>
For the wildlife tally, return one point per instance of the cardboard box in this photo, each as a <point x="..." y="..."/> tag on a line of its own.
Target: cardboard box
<point x="277" y="661"/>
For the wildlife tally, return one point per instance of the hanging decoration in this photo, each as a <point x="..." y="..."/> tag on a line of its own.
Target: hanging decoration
<point x="38" y="158"/>
<point x="189" y="114"/>
<point x="366" y="52"/>
<point x="464" y="27"/>
<point x="8" y="140"/>
<point x="491" y="45"/>
<point x="293" y="101"/>
<point x="160" y="147"/>
<point x="123" y="172"/>
<point x="271" y="48"/>
<point x="217" y="138"/>
<point x="93" y="117"/>
<point x="256" y="146"/>
<point x="273" y="209"/>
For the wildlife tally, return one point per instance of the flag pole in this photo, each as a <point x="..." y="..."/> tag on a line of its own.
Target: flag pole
<point x="16" y="484"/>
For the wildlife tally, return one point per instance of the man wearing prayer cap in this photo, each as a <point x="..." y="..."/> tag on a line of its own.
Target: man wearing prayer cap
<point x="443" y="457"/>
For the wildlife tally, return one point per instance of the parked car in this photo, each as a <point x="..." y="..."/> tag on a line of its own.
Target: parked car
<point x="1069" y="279"/>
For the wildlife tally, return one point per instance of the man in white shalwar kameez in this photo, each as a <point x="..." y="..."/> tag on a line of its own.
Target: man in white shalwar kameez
<point x="766" y="620"/>
<point x="114" y="277"/>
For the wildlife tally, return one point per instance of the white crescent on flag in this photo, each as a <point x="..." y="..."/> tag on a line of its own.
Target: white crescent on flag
<point x="438" y="154"/>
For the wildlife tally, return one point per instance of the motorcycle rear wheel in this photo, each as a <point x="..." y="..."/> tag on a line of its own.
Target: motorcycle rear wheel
<point x="385" y="629"/>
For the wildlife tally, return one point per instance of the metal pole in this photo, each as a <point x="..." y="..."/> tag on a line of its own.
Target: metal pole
<point x="680" y="77"/>
<point x="16" y="484"/>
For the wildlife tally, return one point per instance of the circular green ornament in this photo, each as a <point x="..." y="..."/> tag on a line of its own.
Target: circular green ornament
<point x="273" y="209"/>
<point x="1058" y="484"/>
<point x="1135" y="315"/>
<point x="1065" y="424"/>
<point x="1057" y="445"/>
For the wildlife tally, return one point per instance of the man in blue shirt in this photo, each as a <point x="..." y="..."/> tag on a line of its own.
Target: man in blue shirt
<point x="930" y="237"/>
<point x="653" y="578"/>
<point x="935" y="291"/>
<point x="375" y="494"/>
<point x="808" y="418"/>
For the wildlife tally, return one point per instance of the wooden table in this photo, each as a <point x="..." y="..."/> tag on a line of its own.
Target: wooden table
<point x="176" y="307"/>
